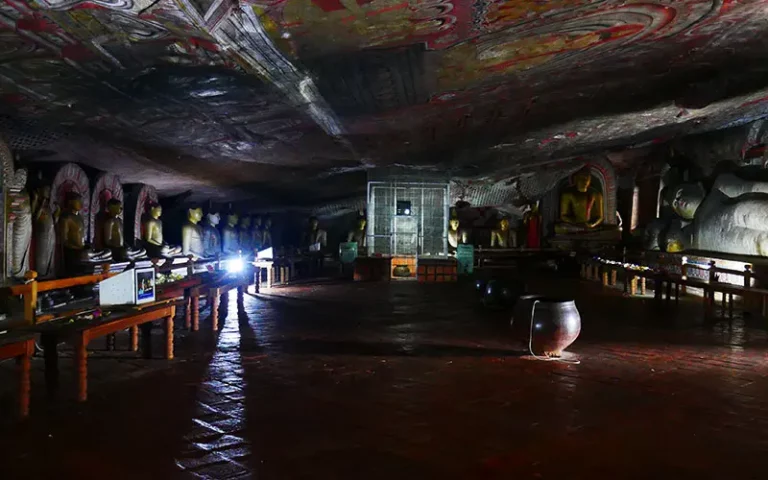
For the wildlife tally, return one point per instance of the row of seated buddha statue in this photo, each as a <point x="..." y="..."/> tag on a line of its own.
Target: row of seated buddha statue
<point x="503" y="236"/>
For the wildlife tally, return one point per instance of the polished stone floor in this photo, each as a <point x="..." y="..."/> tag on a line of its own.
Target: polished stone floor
<point x="410" y="381"/>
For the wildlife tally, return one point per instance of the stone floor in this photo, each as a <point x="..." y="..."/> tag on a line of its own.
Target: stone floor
<point x="410" y="381"/>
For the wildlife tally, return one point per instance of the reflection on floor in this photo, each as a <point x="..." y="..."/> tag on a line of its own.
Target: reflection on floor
<point x="379" y="381"/>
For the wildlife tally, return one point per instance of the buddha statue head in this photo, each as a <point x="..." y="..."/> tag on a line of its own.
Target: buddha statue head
<point x="453" y="224"/>
<point x="194" y="215"/>
<point x="257" y="222"/>
<point x="314" y="223"/>
<point x="245" y="222"/>
<point x="114" y="207"/>
<point x="582" y="179"/>
<point x="232" y="220"/>
<point x="268" y="223"/>
<point x="155" y="211"/>
<point x="74" y="202"/>
<point x="504" y="224"/>
<point x="687" y="199"/>
<point x="214" y="218"/>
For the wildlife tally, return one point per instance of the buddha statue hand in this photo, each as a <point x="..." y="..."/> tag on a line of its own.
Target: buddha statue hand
<point x="100" y="256"/>
<point x="135" y="253"/>
<point x="169" y="251"/>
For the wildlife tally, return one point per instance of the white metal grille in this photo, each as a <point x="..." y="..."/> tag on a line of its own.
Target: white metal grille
<point x="422" y="232"/>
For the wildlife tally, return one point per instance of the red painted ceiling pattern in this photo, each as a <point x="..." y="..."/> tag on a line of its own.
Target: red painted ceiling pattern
<point x="268" y="95"/>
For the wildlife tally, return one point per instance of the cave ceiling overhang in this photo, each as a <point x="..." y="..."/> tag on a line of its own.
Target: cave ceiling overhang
<point x="291" y="101"/>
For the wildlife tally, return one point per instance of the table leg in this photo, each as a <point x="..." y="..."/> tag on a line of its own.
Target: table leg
<point x="642" y="285"/>
<point x="81" y="364"/>
<point x="188" y="311"/>
<point x="730" y="306"/>
<point x="146" y="339"/>
<point x="677" y="294"/>
<point x="25" y="365"/>
<point x="195" y="309"/>
<point x="214" y="295"/>
<point x="134" y="338"/>
<point x="722" y="304"/>
<point x="51" y="357"/>
<point x="613" y="277"/>
<point x="169" y="337"/>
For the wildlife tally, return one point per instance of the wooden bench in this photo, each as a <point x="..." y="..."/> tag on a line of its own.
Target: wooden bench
<point x="21" y="346"/>
<point x="79" y="332"/>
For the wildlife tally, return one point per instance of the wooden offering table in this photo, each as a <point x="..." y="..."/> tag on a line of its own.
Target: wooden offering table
<point x="21" y="346"/>
<point x="80" y="331"/>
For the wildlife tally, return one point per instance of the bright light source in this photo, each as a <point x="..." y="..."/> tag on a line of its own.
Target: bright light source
<point x="685" y="260"/>
<point x="407" y="211"/>
<point x="235" y="265"/>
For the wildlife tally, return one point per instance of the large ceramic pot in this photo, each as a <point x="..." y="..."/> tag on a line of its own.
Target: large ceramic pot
<point x="547" y="325"/>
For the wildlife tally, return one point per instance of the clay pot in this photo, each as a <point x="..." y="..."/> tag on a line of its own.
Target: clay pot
<point x="556" y="324"/>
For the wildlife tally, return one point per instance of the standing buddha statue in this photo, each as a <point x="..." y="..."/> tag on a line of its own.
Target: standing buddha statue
<point x="45" y="232"/>
<point x="20" y="224"/>
<point x="229" y="238"/>
<point x="153" y="235"/>
<point x="192" y="234"/>
<point x="532" y="222"/>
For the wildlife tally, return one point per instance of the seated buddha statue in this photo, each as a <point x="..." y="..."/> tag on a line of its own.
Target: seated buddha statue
<point x="192" y="234"/>
<point x="256" y="234"/>
<point x="211" y="236"/>
<point x="153" y="235"/>
<point x="456" y="235"/>
<point x="229" y="238"/>
<point x="71" y="237"/>
<point x="266" y="234"/>
<point x="357" y="235"/>
<point x="244" y="235"/>
<point x="112" y="233"/>
<point x="503" y="236"/>
<point x="315" y="238"/>
<point x="581" y="206"/>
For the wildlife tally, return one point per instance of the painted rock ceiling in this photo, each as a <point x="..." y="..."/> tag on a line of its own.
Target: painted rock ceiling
<point x="292" y="100"/>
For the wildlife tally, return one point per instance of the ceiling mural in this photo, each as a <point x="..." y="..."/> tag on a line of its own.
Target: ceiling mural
<point x="239" y="97"/>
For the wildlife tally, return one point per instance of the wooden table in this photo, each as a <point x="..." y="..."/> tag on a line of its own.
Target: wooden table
<point x="80" y="332"/>
<point x="21" y="346"/>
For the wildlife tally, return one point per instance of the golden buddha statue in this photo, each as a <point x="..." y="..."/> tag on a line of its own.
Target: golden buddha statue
<point x="456" y="235"/>
<point x="71" y="235"/>
<point x="358" y="235"/>
<point x="112" y="233"/>
<point x="153" y="235"/>
<point x="192" y="234"/>
<point x="229" y="240"/>
<point x="503" y="236"/>
<point x="315" y="238"/>
<point x="581" y="205"/>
